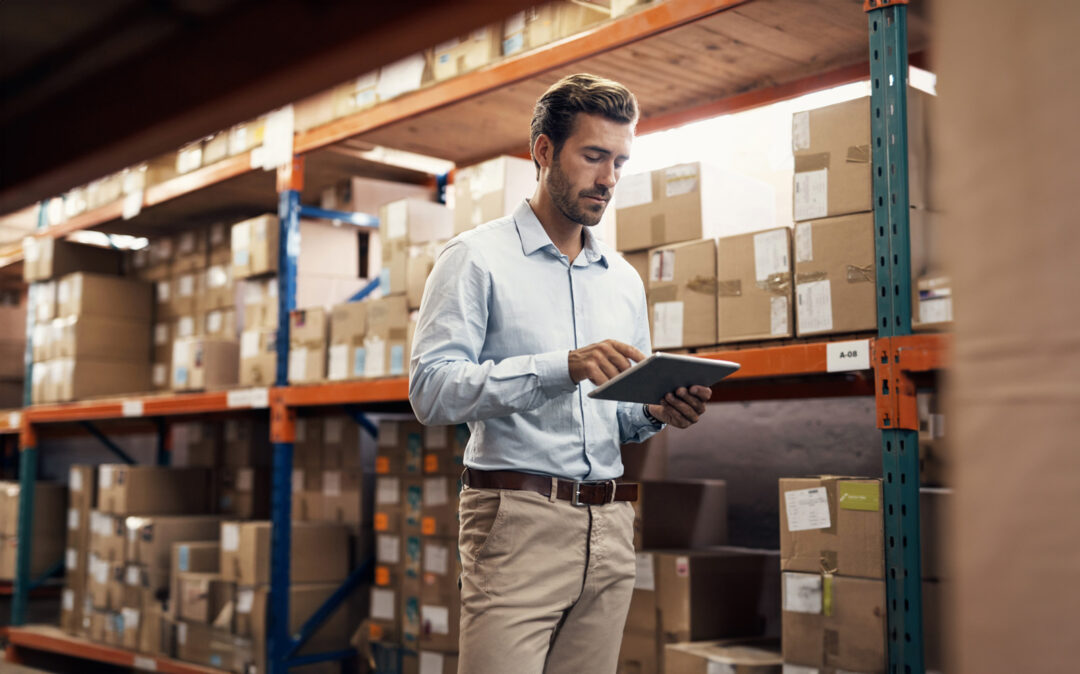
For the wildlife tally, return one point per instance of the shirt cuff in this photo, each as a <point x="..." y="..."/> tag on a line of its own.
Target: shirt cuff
<point x="553" y="368"/>
<point x="642" y="420"/>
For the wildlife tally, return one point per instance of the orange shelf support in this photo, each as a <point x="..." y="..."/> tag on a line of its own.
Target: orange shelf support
<point x="52" y="640"/>
<point x="346" y="392"/>
<point x="150" y="406"/>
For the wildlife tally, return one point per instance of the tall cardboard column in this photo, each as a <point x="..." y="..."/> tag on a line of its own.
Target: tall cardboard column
<point x="1008" y="155"/>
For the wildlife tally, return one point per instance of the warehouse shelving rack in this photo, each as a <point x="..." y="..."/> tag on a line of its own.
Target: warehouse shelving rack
<point x="888" y="365"/>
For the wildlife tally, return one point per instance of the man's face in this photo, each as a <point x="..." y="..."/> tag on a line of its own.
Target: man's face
<point x="582" y="177"/>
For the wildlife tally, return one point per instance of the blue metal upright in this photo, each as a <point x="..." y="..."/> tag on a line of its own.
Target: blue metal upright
<point x="28" y="461"/>
<point x="900" y="449"/>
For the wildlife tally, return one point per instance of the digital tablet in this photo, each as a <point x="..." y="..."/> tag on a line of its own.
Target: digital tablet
<point x="661" y="373"/>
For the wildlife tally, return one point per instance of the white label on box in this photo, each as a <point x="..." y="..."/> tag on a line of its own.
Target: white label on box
<point x="245" y="599"/>
<point x="799" y="669"/>
<point x="278" y="138"/>
<point x="338" y="365"/>
<point x="436" y="491"/>
<point x="634" y="190"/>
<point x="297" y="364"/>
<point x="130" y="617"/>
<point x="68" y="600"/>
<point x="388" y="433"/>
<point x="401" y="77"/>
<point x="667" y="325"/>
<point x="436" y="619"/>
<point x="252" y="397"/>
<point x="105" y="477"/>
<point x="397" y="215"/>
<point x="717" y="667"/>
<point x="185" y="327"/>
<point x="333" y="430"/>
<point x="181" y="633"/>
<point x="644" y="578"/>
<point x="132" y="205"/>
<point x="814" y="306"/>
<point x="230" y="537"/>
<point x="331" y="483"/>
<point x="132" y="408"/>
<point x="778" y="315"/>
<point x="802" y="592"/>
<point x="387" y="490"/>
<point x="435" y="437"/>
<point x="163" y="291"/>
<point x="101" y="572"/>
<point x="431" y="663"/>
<point x="375" y="363"/>
<point x="800" y="131"/>
<point x="662" y="265"/>
<point x="71" y="559"/>
<point x="215" y="320"/>
<point x="388" y="549"/>
<point x="297" y="480"/>
<point x="846" y="356"/>
<point x="245" y="480"/>
<point x="73" y="519"/>
<point x="161" y="374"/>
<point x="14" y="419"/>
<point x="382" y="604"/>
<point x="812" y="194"/>
<point x="185" y="285"/>
<point x="436" y="559"/>
<point x="771" y="254"/>
<point x="249" y="344"/>
<point x="145" y="663"/>
<point x="133" y="577"/>
<point x="681" y="179"/>
<point x="807" y="509"/>
<point x="938" y="310"/>
<point x="161" y="334"/>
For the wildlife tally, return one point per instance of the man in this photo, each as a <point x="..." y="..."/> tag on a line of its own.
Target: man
<point x="520" y="319"/>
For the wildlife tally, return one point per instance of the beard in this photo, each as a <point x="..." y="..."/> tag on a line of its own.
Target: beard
<point x="561" y="191"/>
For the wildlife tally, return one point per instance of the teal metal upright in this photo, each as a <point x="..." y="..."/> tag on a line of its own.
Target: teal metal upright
<point x="900" y="449"/>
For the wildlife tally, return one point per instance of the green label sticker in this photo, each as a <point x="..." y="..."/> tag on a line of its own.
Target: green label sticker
<point x="860" y="496"/>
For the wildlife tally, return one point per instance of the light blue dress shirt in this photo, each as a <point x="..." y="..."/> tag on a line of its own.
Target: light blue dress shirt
<point x="500" y="313"/>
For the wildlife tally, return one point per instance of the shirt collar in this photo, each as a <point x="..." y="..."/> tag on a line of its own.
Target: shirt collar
<point x="534" y="237"/>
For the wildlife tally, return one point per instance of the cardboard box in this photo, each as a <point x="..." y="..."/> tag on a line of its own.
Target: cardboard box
<point x="389" y="559"/>
<point x="246" y="443"/>
<point x="752" y="657"/>
<point x="549" y="22"/>
<point x="639" y="260"/>
<point x="49" y="512"/>
<point x="682" y="294"/>
<point x="341" y="444"/>
<point x="439" y="516"/>
<point x="326" y="251"/>
<point x="47" y="258"/>
<point x="849" y="636"/>
<point x="202" y="596"/>
<point x="353" y="96"/>
<point x="688" y="202"/>
<point x="421" y="260"/>
<point x="389" y="504"/>
<point x="246" y="136"/>
<point x="348" y="326"/>
<point x="415" y="220"/>
<point x="99" y="338"/>
<point x="680" y="514"/>
<point x="220" y="323"/>
<point x="395" y="614"/>
<point x="437" y="663"/>
<point x="47" y="550"/>
<point x="193" y="557"/>
<point x="254" y="245"/>
<point x="490" y="190"/>
<point x="219" y="291"/>
<point x="260" y="298"/>
<point x="307" y="345"/>
<point x="82" y="486"/>
<point x="258" y="357"/>
<point x="76" y="379"/>
<point x="469" y="52"/>
<point x="754" y="286"/>
<point x="934" y="304"/>
<point x="384" y="344"/>
<point x="244" y="493"/>
<point x="152" y="490"/>
<point x="832" y="523"/>
<point x="444" y="449"/>
<point x="833" y="157"/>
<point x="151" y="539"/>
<point x="344" y="493"/>
<point x="400" y="447"/>
<point x="108" y="536"/>
<point x="205" y="363"/>
<point x="82" y="294"/>
<point x="367" y="195"/>
<point x="44" y="297"/>
<point x="319" y="552"/>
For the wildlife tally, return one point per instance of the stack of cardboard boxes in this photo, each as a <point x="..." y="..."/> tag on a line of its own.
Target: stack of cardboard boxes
<point x="12" y="347"/>
<point x="47" y="532"/>
<point x="75" y="604"/>
<point x="832" y="554"/>
<point x="415" y="599"/>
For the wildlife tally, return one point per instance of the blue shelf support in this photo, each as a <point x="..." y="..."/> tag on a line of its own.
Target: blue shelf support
<point x="288" y="254"/>
<point x="887" y="21"/>
<point x="109" y="444"/>
<point x="363" y="420"/>
<point x="332" y="603"/>
<point x="366" y="290"/>
<point x="358" y="219"/>
<point x="28" y="461"/>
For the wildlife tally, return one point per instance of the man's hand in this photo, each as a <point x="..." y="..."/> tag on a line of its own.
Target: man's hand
<point x="601" y="361"/>
<point x="682" y="408"/>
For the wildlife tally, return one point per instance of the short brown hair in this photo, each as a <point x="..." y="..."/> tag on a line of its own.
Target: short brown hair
<point x="557" y="109"/>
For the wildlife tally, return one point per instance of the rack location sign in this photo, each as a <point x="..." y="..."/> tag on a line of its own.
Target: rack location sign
<point x="847" y="356"/>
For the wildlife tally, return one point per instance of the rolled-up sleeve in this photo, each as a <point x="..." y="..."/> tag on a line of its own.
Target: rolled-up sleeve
<point x="447" y="382"/>
<point x="634" y="426"/>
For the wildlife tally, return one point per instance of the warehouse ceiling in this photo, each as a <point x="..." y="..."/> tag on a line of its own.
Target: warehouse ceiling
<point x="87" y="88"/>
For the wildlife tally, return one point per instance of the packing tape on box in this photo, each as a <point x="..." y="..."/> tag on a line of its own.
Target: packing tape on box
<point x="778" y="283"/>
<point x="860" y="274"/>
<point x="703" y="284"/>
<point x="810" y="277"/>
<point x="831" y="642"/>
<point x="658" y="229"/>
<point x="858" y="154"/>
<point x="827" y="594"/>
<point x="812" y="162"/>
<point x="665" y="294"/>
<point x="732" y="288"/>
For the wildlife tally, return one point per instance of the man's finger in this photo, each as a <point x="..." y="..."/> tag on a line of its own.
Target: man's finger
<point x="681" y="407"/>
<point x="675" y="417"/>
<point x="607" y="367"/>
<point x="703" y="393"/>
<point x="617" y="359"/>
<point x="628" y="351"/>
<point x="693" y="401"/>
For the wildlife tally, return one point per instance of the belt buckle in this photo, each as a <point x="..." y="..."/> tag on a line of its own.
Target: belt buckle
<point x="575" y="497"/>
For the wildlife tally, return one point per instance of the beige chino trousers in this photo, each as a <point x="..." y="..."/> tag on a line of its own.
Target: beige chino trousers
<point x="545" y="585"/>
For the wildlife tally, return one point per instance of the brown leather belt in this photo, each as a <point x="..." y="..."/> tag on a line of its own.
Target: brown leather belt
<point x="578" y="493"/>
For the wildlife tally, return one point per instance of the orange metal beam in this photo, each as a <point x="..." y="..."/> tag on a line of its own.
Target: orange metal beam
<point x="149" y="406"/>
<point x="624" y="30"/>
<point x="52" y="640"/>
<point x="347" y="392"/>
<point x="777" y="361"/>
